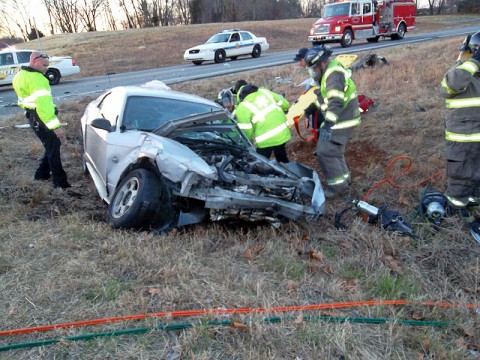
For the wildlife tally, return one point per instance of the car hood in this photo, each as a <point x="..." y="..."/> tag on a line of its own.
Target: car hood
<point x="209" y="46"/>
<point x="170" y="128"/>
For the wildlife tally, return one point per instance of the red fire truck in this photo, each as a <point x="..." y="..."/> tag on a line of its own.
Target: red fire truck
<point x="345" y="21"/>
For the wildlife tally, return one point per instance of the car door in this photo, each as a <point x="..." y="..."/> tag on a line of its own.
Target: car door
<point x="8" y="67"/>
<point x="97" y="140"/>
<point x="247" y="42"/>
<point x="234" y="45"/>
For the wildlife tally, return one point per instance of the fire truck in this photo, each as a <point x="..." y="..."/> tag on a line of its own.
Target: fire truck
<point x="345" y="21"/>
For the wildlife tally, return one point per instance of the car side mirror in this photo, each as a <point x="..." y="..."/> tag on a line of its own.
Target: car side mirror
<point x="102" y="124"/>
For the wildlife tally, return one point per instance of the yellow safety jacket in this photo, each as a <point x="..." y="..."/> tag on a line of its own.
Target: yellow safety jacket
<point x="261" y="116"/>
<point x="338" y="97"/>
<point x="33" y="91"/>
<point x="461" y="89"/>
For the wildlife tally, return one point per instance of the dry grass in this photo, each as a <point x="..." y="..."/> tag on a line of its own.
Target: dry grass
<point x="100" y="53"/>
<point x="60" y="262"/>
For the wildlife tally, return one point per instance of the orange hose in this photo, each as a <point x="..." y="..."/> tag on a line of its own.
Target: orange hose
<point x="390" y="180"/>
<point x="186" y="313"/>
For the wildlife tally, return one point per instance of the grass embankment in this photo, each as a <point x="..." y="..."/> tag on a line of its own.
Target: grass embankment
<point x="60" y="262"/>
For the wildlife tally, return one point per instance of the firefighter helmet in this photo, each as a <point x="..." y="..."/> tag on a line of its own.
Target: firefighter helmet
<point x="317" y="54"/>
<point x="225" y="98"/>
<point x="471" y="43"/>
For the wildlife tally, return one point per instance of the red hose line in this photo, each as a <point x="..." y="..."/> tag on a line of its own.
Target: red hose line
<point x="186" y="313"/>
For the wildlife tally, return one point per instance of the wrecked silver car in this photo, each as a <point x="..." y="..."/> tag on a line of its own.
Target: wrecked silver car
<point x="162" y="158"/>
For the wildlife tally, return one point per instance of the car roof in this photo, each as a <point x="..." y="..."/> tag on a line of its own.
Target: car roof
<point x="159" y="89"/>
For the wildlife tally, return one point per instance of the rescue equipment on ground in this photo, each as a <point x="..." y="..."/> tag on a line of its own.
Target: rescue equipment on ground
<point x="390" y="220"/>
<point x="434" y="206"/>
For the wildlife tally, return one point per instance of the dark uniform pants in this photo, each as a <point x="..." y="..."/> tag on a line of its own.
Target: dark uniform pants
<point x="51" y="161"/>
<point x="463" y="169"/>
<point x="279" y="151"/>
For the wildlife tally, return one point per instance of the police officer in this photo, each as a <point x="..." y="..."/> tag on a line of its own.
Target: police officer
<point x="337" y="99"/>
<point x="260" y="113"/>
<point x="34" y="95"/>
<point x="461" y="89"/>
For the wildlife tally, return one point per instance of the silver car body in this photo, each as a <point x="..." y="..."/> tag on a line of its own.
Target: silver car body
<point x="202" y="156"/>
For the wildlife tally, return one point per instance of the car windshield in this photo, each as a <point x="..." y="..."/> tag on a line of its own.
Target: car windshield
<point x="147" y="113"/>
<point x="336" y="10"/>
<point x="218" y="38"/>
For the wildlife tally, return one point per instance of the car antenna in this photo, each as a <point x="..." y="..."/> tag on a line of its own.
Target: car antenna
<point x="38" y="35"/>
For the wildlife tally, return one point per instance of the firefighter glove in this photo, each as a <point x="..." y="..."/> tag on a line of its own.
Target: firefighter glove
<point x="325" y="132"/>
<point x="310" y="110"/>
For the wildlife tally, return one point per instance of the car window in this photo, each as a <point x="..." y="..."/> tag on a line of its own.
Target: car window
<point x="23" y="56"/>
<point x="149" y="113"/>
<point x="109" y="108"/>
<point x="218" y="38"/>
<point x="235" y="37"/>
<point x="6" y="59"/>
<point x="246" y="36"/>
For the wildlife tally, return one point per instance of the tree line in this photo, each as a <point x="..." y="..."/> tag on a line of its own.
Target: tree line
<point x="18" y="17"/>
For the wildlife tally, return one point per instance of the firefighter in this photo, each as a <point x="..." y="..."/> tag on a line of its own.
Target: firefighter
<point x="34" y="95"/>
<point x="227" y="97"/>
<point x="337" y="99"/>
<point x="300" y="57"/>
<point x="461" y="89"/>
<point x="260" y="113"/>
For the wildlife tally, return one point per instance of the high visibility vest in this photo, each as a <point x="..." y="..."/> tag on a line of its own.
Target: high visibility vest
<point x="33" y="91"/>
<point x="261" y="116"/>
<point x="343" y="116"/>
<point x="461" y="88"/>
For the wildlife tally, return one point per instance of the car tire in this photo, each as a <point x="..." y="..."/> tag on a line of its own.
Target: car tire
<point x="347" y="38"/>
<point x="141" y="201"/>
<point x="257" y="51"/>
<point x="220" y="56"/>
<point x="53" y="76"/>
<point x="197" y="62"/>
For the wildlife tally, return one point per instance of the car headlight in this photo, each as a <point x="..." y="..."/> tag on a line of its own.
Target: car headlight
<point x="337" y="28"/>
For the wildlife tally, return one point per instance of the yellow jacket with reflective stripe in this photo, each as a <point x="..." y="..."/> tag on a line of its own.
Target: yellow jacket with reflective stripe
<point x="261" y="116"/>
<point x="461" y="89"/>
<point x="338" y="97"/>
<point x="33" y="91"/>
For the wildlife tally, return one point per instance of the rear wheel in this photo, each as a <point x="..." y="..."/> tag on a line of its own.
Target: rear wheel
<point x="257" y="51"/>
<point x="197" y="62"/>
<point x="53" y="76"/>
<point x="141" y="201"/>
<point x="220" y="56"/>
<point x="347" y="38"/>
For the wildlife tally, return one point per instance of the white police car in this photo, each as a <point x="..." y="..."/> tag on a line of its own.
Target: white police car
<point x="11" y="60"/>
<point x="227" y="44"/>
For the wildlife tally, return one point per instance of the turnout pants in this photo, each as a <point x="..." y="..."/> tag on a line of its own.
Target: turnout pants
<point x="331" y="158"/>
<point x="51" y="161"/>
<point x="463" y="169"/>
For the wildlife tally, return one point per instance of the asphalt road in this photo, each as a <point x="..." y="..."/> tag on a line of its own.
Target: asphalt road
<point x="67" y="90"/>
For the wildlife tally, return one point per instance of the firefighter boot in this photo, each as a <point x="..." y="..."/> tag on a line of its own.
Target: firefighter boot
<point x="335" y="191"/>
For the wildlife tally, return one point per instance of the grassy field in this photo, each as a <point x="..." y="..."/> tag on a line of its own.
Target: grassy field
<point x="60" y="262"/>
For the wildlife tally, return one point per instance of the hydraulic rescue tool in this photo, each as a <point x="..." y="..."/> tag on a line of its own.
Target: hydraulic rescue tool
<point x="434" y="205"/>
<point x="389" y="219"/>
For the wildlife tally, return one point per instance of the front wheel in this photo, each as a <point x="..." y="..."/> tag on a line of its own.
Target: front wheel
<point x="53" y="76"/>
<point x="141" y="201"/>
<point x="400" y="33"/>
<point x="347" y="38"/>
<point x="257" y="51"/>
<point x="220" y="56"/>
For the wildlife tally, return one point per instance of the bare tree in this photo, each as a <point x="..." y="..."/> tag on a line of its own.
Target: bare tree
<point x="182" y="9"/>
<point x="132" y="18"/>
<point x="64" y="14"/>
<point x="88" y="11"/>
<point x="109" y="18"/>
<point x="312" y="8"/>
<point x="17" y="20"/>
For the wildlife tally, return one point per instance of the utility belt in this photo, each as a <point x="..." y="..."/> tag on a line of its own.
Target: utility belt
<point x="33" y="119"/>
